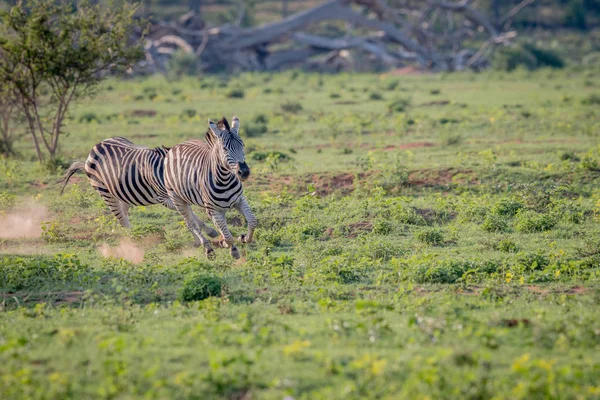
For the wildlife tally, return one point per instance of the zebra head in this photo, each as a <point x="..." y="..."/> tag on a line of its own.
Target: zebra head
<point x="230" y="145"/>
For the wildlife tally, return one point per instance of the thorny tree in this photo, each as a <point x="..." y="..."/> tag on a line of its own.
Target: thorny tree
<point x="52" y="53"/>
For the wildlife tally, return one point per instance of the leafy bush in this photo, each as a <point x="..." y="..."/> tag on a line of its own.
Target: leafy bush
<point x="432" y="237"/>
<point x="253" y="129"/>
<point x="533" y="261"/>
<point x="200" y="286"/>
<point x="531" y="221"/>
<point x="507" y="245"/>
<point x="292" y="107"/>
<point x="527" y="56"/>
<point x="89" y="117"/>
<point x="544" y="57"/>
<point x="495" y="223"/>
<point x="264" y="155"/>
<point x="398" y="105"/>
<point x="508" y="207"/>
<point x="510" y="58"/>
<point x="445" y="271"/>
<point x="236" y="93"/>
<point x="375" y="96"/>
<point x="591" y="100"/>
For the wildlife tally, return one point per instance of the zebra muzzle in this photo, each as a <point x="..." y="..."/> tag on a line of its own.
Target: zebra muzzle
<point x="243" y="171"/>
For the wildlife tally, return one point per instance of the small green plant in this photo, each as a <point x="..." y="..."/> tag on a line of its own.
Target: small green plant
<point x="53" y="232"/>
<point x="188" y="113"/>
<point x="89" y="117"/>
<point x="507" y="245"/>
<point x="200" y="286"/>
<point x="235" y="93"/>
<point x="592" y="99"/>
<point x="398" y="105"/>
<point x="254" y="129"/>
<point x="507" y="207"/>
<point x="264" y="155"/>
<point x="382" y="227"/>
<point x="495" y="223"/>
<point x="292" y="107"/>
<point x="531" y="221"/>
<point x="431" y="236"/>
<point x="375" y="96"/>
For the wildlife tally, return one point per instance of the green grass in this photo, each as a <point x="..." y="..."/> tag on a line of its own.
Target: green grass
<point x="426" y="236"/>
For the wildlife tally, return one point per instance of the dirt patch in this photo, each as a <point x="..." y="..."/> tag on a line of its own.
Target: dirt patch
<point x="515" y="322"/>
<point x="436" y="103"/>
<point x="577" y="290"/>
<point x="413" y="145"/>
<point x="407" y="71"/>
<point x="442" y="177"/>
<point x="358" y="227"/>
<point x="324" y="185"/>
<point x="142" y="113"/>
<point x="126" y="250"/>
<point x="25" y="222"/>
<point x="345" y="102"/>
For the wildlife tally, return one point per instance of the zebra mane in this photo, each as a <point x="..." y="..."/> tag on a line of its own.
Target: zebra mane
<point x="210" y="136"/>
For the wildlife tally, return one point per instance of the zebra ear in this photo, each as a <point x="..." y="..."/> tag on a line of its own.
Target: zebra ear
<point x="214" y="129"/>
<point x="235" y="125"/>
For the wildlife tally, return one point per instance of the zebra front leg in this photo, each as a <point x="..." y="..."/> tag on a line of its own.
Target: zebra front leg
<point x="191" y="222"/>
<point x="244" y="209"/>
<point x="220" y="222"/>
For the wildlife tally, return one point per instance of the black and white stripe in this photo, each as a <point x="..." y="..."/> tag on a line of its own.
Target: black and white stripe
<point x="210" y="174"/>
<point x="125" y="175"/>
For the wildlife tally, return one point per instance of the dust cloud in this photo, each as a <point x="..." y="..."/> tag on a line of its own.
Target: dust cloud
<point x="25" y="222"/>
<point x="126" y="250"/>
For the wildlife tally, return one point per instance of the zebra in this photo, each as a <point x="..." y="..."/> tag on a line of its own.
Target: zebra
<point x="125" y="174"/>
<point x="210" y="174"/>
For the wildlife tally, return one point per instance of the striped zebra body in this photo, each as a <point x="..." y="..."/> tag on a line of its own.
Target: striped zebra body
<point x="209" y="174"/>
<point x="125" y="174"/>
<point x="132" y="174"/>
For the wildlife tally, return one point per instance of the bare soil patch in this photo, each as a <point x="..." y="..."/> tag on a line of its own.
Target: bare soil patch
<point x="142" y="113"/>
<point x="25" y="222"/>
<point x="436" y="103"/>
<point x="412" y="145"/>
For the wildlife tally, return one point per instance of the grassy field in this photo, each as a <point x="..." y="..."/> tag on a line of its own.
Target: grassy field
<point x="420" y="236"/>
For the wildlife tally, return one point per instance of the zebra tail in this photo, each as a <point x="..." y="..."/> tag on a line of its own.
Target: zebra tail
<point x="75" y="167"/>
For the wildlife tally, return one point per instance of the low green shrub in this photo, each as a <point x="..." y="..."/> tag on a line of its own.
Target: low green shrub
<point x="292" y="107"/>
<point x="235" y="93"/>
<point x="399" y="105"/>
<point x="531" y="221"/>
<point x="495" y="223"/>
<point x="431" y="236"/>
<point x="201" y="285"/>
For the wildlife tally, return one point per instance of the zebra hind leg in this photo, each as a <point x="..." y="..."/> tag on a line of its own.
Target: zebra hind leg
<point x="191" y="221"/>
<point x="209" y="231"/>
<point x="227" y="241"/>
<point x="116" y="207"/>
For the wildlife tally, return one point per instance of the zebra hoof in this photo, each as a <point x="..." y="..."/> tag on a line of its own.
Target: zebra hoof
<point x="220" y="243"/>
<point x="235" y="253"/>
<point x="244" y="239"/>
<point x="212" y="233"/>
<point x="210" y="254"/>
